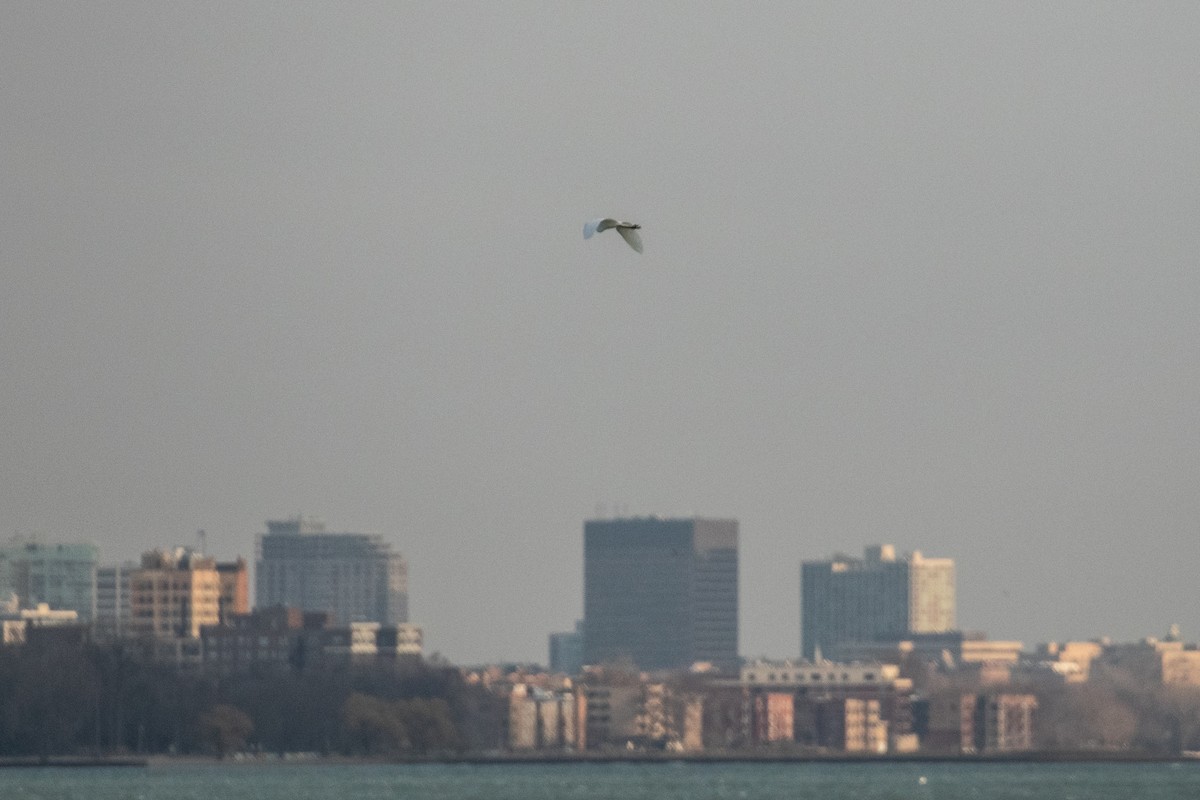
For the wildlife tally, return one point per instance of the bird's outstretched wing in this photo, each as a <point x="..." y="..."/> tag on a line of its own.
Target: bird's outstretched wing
<point x="631" y="235"/>
<point x="592" y="226"/>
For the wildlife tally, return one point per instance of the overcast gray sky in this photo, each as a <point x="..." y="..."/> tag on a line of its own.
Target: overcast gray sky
<point x="914" y="273"/>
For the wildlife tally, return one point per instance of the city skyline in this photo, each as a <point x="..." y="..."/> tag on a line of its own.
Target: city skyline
<point x="919" y="273"/>
<point x="896" y="596"/>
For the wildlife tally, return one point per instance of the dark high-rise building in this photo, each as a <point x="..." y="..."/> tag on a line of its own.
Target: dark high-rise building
<point x="663" y="592"/>
<point x="355" y="577"/>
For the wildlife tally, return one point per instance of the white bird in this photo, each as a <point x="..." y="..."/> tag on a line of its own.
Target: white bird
<point x="628" y="230"/>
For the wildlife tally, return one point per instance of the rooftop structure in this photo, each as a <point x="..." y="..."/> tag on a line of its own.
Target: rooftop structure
<point x="821" y="675"/>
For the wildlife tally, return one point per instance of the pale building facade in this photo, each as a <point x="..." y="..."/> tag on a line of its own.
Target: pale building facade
<point x="544" y="719"/>
<point x="113" y="613"/>
<point x="356" y="577"/>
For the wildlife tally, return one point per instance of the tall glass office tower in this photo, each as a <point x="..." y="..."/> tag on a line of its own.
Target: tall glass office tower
<point x="663" y="592"/>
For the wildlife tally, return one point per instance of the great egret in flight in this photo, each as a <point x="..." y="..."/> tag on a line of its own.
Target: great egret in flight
<point x="628" y="230"/>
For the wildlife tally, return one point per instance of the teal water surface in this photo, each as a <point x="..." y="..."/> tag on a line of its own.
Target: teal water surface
<point x="667" y="781"/>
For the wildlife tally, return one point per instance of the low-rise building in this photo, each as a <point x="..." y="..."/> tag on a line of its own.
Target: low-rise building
<point x="541" y="719"/>
<point x="976" y="723"/>
<point x="403" y="639"/>
<point x="669" y="719"/>
<point x="774" y="717"/>
<point x="1167" y="662"/>
<point x="848" y="707"/>
<point x="370" y="641"/>
<point x="16" y="622"/>
<point x="611" y="714"/>
<point x="847" y="724"/>
<point x="1004" y="723"/>
<point x="1065" y="662"/>
<point x="264" y="636"/>
<point x="291" y="637"/>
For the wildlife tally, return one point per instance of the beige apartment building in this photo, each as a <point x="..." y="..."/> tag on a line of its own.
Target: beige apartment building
<point x="174" y="594"/>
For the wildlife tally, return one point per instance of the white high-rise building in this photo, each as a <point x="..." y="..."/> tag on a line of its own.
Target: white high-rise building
<point x="879" y="597"/>
<point x="356" y="577"/>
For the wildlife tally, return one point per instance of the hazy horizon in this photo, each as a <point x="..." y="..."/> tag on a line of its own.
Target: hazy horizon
<point x="922" y="274"/>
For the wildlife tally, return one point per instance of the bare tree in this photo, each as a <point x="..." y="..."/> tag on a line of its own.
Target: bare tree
<point x="227" y="728"/>
<point x="1088" y="716"/>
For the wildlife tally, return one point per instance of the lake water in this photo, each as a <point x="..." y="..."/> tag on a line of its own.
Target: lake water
<point x="666" y="781"/>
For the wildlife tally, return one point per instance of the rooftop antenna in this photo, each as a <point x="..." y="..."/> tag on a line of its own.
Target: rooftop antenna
<point x="201" y="540"/>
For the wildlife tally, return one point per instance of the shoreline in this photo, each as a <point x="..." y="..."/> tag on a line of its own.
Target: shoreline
<point x="73" y="761"/>
<point x="517" y="759"/>
<point x="621" y="757"/>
